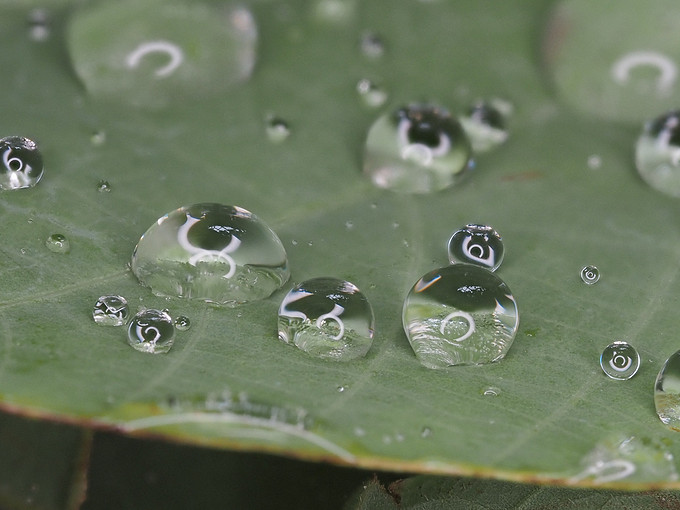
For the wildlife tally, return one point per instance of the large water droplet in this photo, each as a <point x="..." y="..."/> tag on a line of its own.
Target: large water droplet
<point x="217" y="253"/>
<point x="58" y="243"/>
<point x="110" y="311"/>
<point x="620" y="360"/>
<point x="460" y="315"/>
<point x="151" y="331"/>
<point x="21" y="161"/>
<point x="417" y="149"/>
<point x="667" y="392"/>
<point x="327" y="318"/>
<point x="590" y="275"/>
<point x="476" y="244"/>
<point x="657" y="153"/>
<point x="484" y="123"/>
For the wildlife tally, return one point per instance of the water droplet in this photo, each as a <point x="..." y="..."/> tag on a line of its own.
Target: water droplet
<point x="151" y="331"/>
<point x="335" y="11"/>
<point x="594" y="162"/>
<point x="491" y="391"/>
<point x="22" y="162"/>
<point x="620" y="360"/>
<point x="277" y="130"/>
<point x="217" y="253"/>
<point x="38" y="25"/>
<point x="590" y="275"/>
<point x="476" y="244"/>
<point x="399" y="437"/>
<point x="341" y="389"/>
<point x="425" y="432"/>
<point x="667" y="392"/>
<point x="484" y="124"/>
<point x="460" y="315"/>
<point x="327" y="318"/>
<point x="182" y="322"/>
<point x="110" y="311"/>
<point x="359" y="432"/>
<point x="98" y="138"/>
<point x="349" y="225"/>
<point x="104" y="187"/>
<point x="372" y="45"/>
<point x="23" y="251"/>
<point x="417" y="149"/>
<point x="371" y="94"/>
<point x="58" y="243"/>
<point x="657" y="153"/>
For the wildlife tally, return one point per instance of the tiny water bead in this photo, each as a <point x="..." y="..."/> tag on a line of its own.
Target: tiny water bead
<point x="657" y="153"/>
<point x="590" y="275"/>
<point x="372" y="45"/>
<point x="38" y="25"/>
<point x="327" y="318"/>
<point x="475" y="244"/>
<point x="182" y="322"/>
<point x="104" y="187"/>
<point x="620" y="360"/>
<point x="110" y="310"/>
<point x="58" y="243"/>
<point x="667" y="392"/>
<point x="371" y="94"/>
<point x="151" y="331"/>
<point x="217" y="253"/>
<point x="484" y="123"/>
<point x="277" y="129"/>
<point x="460" y="315"/>
<point x="417" y="149"/>
<point x="22" y="163"/>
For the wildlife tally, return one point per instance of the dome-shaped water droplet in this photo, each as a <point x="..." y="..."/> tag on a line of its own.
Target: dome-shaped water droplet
<point x="58" y="243"/>
<point x="151" y="331"/>
<point x="372" y="45"/>
<point x="371" y="94"/>
<point x="667" y="392"/>
<point x="217" y="253"/>
<point x="491" y="391"/>
<point x="620" y="360"/>
<point x="590" y="275"/>
<point x="657" y="153"/>
<point x="104" y="187"/>
<point x="110" y="311"/>
<point x="417" y="149"/>
<point x="277" y="129"/>
<point x="460" y="315"/>
<point x="22" y="163"/>
<point x="182" y="322"/>
<point x="327" y="318"/>
<point x="476" y="244"/>
<point x="98" y="138"/>
<point x="484" y="123"/>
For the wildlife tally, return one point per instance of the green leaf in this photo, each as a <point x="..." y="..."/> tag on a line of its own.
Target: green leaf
<point x="228" y="382"/>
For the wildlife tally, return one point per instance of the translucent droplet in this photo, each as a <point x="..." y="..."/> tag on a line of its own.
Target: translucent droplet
<point x="590" y="275"/>
<point x="182" y="322"/>
<point x="327" y="318"/>
<point x="110" y="311"/>
<point x="484" y="123"/>
<point x="476" y="244"/>
<point x="22" y="163"/>
<point x="620" y="360"/>
<point x="657" y="153"/>
<point x="371" y="94"/>
<point x="38" y="25"/>
<point x="372" y="45"/>
<point x="425" y="432"/>
<point x="417" y="149"/>
<point x="104" y="187"/>
<point x="58" y="243"/>
<point x="341" y="389"/>
<point x="151" y="331"/>
<point x="594" y="161"/>
<point x="460" y="315"/>
<point x="667" y="392"/>
<point x="335" y="11"/>
<point x="277" y="130"/>
<point x="491" y="391"/>
<point x="98" y="138"/>
<point x="217" y="253"/>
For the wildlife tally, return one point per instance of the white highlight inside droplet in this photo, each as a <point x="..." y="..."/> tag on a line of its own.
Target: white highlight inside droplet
<point x="174" y="52"/>
<point x="668" y="71"/>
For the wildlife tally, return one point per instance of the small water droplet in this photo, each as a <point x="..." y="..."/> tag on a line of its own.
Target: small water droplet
<point x="335" y="11"/>
<point x="491" y="391"/>
<point x="425" y="432"/>
<point x="104" y="187"/>
<point x="371" y="94"/>
<point x="151" y="331"/>
<point x="23" y="251"/>
<point x="110" y="310"/>
<point x="30" y="221"/>
<point x="310" y="243"/>
<point x="484" y="123"/>
<point x="22" y="162"/>
<point x="590" y="275"/>
<point x="182" y="323"/>
<point x="58" y="243"/>
<point x="327" y="318"/>
<point x="294" y="242"/>
<point x="341" y="389"/>
<point x="38" y="25"/>
<point x="417" y="149"/>
<point x="277" y="129"/>
<point x="359" y="432"/>
<point x="372" y="45"/>
<point x="349" y="225"/>
<point x="217" y="253"/>
<point x="476" y="244"/>
<point x="657" y="153"/>
<point x="667" y="392"/>
<point x="387" y="439"/>
<point x="98" y="138"/>
<point x="460" y="315"/>
<point x="399" y="437"/>
<point x="594" y="161"/>
<point x="620" y="360"/>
